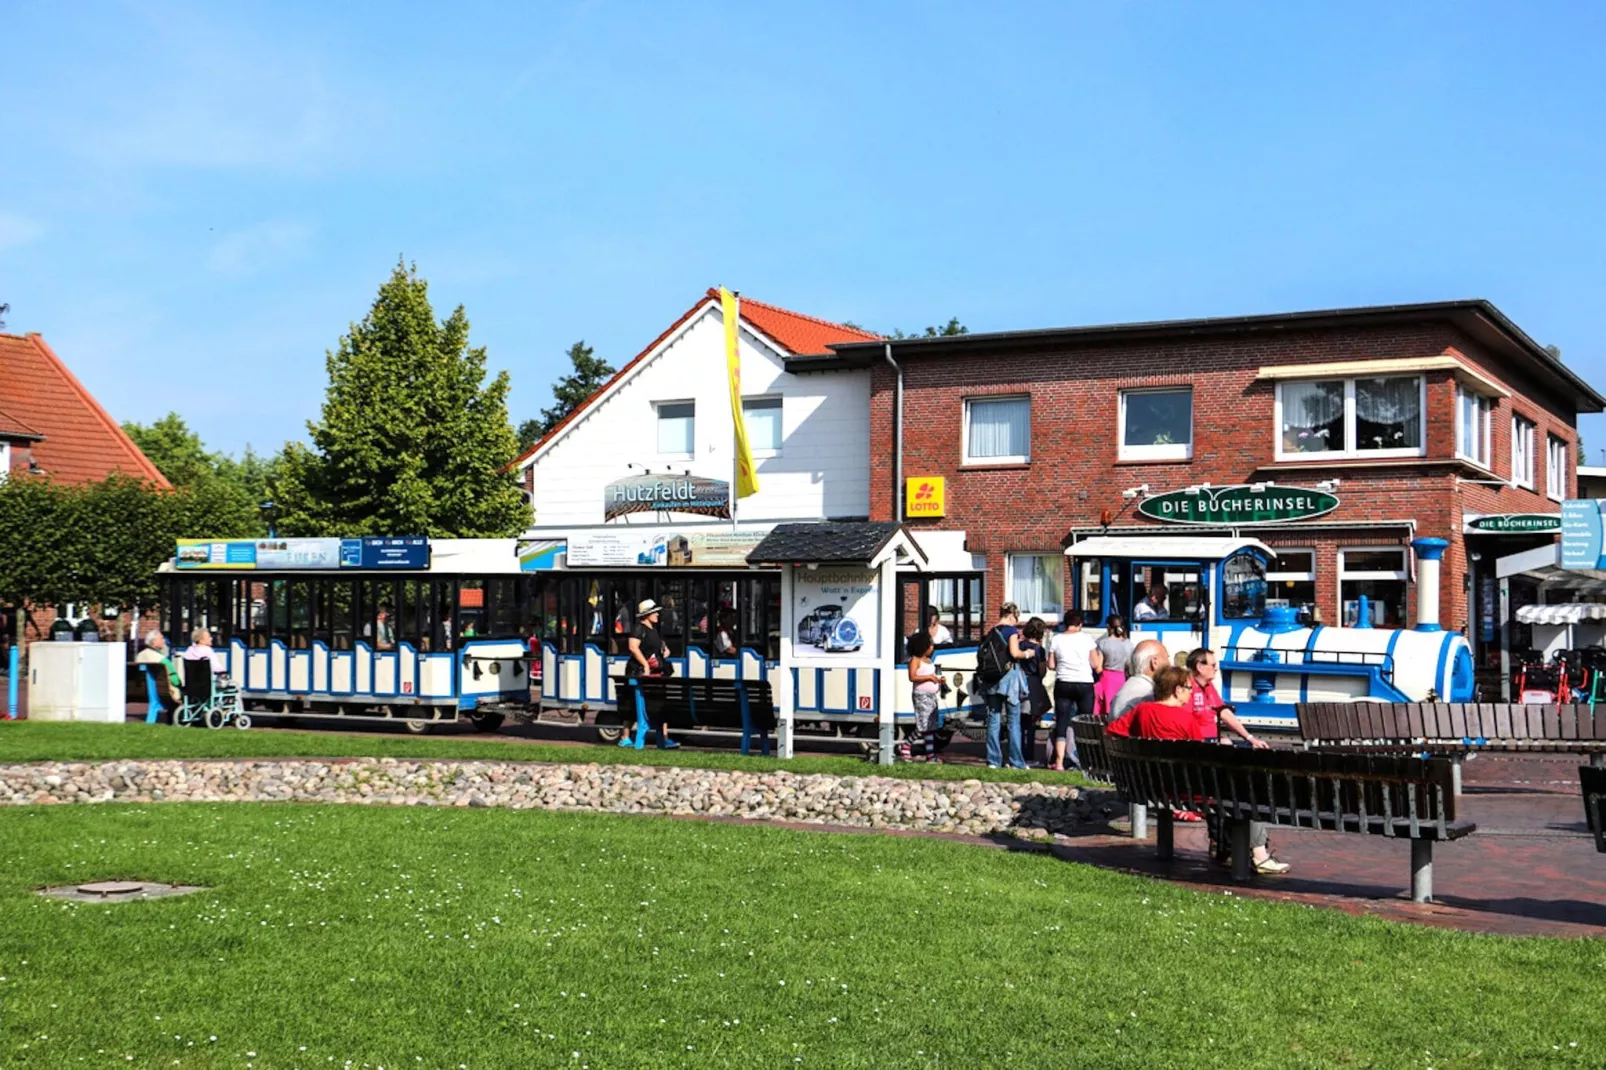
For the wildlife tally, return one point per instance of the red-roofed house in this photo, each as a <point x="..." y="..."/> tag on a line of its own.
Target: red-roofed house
<point x="51" y="425"/>
<point x="668" y="410"/>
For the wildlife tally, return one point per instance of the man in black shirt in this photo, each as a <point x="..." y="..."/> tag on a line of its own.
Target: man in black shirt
<point x="649" y="656"/>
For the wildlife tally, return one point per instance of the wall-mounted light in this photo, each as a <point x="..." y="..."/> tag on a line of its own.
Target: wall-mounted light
<point x="1132" y="492"/>
<point x="1329" y="485"/>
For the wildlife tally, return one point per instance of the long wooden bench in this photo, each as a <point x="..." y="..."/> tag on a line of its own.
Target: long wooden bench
<point x="694" y="705"/>
<point x="1370" y="794"/>
<point x="1593" y="779"/>
<point x="1454" y="730"/>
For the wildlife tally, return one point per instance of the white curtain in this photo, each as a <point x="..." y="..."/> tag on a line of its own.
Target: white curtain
<point x="1388" y="414"/>
<point x="1313" y="417"/>
<point x="1000" y="428"/>
<point x="1034" y="583"/>
<point x="763" y="419"/>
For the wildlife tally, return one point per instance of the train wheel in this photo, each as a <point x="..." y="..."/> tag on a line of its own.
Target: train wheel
<point x="609" y="727"/>
<point x="415" y="726"/>
<point x="487" y="722"/>
<point x="945" y="736"/>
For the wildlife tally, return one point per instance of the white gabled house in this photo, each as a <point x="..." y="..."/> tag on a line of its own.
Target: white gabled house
<point x="668" y="411"/>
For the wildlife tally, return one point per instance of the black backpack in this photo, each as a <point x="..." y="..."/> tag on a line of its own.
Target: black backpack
<point x="992" y="658"/>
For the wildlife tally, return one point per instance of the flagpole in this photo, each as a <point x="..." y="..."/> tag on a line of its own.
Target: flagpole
<point x="736" y="413"/>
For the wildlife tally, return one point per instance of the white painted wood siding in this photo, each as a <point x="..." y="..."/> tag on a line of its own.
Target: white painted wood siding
<point x="822" y="469"/>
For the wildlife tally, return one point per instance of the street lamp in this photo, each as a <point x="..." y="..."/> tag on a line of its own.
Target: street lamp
<point x="270" y="513"/>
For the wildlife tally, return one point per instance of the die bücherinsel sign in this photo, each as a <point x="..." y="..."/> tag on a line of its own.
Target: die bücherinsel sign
<point x="1264" y="503"/>
<point x="1525" y="523"/>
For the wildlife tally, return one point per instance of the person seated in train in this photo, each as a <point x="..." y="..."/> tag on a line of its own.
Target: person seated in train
<point x="384" y="630"/>
<point x="169" y="685"/>
<point x="1152" y="607"/>
<point x="935" y="629"/>
<point x="725" y="635"/>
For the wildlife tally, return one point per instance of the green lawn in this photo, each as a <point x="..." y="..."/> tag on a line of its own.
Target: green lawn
<point x="28" y="741"/>
<point x="350" y="936"/>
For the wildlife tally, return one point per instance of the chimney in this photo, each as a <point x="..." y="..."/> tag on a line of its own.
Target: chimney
<point x="1428" y="553"/>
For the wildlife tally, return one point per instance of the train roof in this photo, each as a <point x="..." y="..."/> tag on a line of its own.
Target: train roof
<point x="1166" y="547"/>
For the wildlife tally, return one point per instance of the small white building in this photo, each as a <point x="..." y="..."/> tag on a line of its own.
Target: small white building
<point x="668" y="411"/>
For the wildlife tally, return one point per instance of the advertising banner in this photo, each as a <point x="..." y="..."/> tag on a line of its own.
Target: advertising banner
<point x="1581" y="533"/>
<point x="838" y="610"/>
<point x="648" y="548"/>
<point x="925" y="496"/>
<point x="1260" y="503"/>
<point x="304" y="554"/>
<point x="666" y="494"/>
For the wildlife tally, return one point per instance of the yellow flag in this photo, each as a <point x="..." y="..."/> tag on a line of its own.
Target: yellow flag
<point x="746" y="475"/>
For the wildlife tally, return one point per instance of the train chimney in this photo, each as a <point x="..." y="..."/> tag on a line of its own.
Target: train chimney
<point x="1428" y="553"/>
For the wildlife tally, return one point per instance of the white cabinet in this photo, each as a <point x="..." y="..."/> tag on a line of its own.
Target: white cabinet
<point x="77" y="681"/>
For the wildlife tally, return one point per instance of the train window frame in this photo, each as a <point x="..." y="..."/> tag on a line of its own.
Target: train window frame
<point x="1255" y="610"/>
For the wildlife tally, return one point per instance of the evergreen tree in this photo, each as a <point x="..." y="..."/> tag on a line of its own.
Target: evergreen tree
<point x="570" y="392"/>
<point x="412" y="440"/>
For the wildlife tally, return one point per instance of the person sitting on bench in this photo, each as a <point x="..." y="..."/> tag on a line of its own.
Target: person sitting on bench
<point x="169" y="685"/>
<point x="1172" y="715"/>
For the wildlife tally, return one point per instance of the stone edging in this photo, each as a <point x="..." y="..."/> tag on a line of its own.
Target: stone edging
<point x="971" y="806"/>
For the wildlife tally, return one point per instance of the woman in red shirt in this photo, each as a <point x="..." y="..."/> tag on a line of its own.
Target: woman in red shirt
<point x="1173" y="715"/>
<point x="1170" y="715"/>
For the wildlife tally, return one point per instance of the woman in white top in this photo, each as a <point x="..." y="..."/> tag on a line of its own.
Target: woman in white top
<point x="1073" y="657"/>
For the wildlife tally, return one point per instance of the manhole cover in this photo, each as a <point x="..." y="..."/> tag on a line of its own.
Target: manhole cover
<point x="117" y="891"/>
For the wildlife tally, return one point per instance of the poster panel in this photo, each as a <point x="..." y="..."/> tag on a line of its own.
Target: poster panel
<point x="838" y="610"/>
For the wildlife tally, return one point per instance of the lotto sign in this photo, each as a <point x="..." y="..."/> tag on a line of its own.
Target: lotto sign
<point x="925" y="496"/>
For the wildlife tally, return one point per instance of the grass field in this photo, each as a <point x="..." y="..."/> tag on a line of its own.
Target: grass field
<point x="347" y="936"/>
<point x="29" y="741"/>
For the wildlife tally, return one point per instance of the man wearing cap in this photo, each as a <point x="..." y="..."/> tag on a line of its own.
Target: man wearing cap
<point x="649" y="656"/>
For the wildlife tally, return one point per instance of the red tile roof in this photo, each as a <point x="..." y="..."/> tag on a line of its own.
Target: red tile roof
<point x="792" y="330"/>
<point x="81" y="442"/>
<point x="11" y="427"/>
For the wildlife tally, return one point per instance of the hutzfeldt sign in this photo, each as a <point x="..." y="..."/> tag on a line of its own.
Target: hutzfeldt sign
<point x="1245" y="503"/>
<point x="666" y="494"/>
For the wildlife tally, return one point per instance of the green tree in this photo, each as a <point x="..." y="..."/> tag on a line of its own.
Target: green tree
<point x="233" y="490"/>
<point x="569" y="392"/>
<point x="411" y="439"/>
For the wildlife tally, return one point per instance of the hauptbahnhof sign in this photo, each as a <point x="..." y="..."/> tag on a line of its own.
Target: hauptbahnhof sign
<point x="666" y="494"/>
<point x="1243" y="504"/>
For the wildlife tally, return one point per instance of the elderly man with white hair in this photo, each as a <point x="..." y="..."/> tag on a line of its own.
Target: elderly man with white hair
<point x="1148" y="658"/>
<point x="169" y="692"/>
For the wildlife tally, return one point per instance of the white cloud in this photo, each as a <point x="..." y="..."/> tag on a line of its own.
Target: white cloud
<point x="17" y="231"/>
<point x="245" y="251"/>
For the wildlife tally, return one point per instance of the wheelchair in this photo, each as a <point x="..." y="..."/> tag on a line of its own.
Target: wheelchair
<point x="209" y="700"/>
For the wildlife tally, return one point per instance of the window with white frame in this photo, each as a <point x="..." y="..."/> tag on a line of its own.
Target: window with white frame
<point x="1473" y="426"/>
<point x="763" y="419"/>
<point x="1522" y="452"/>
<point x="998" y="430"/>
<point x="1379" y="573"/>
<point x="5" y="461"/>
<point x="1555" y="467"/>
<point x="677" y="428"/>
<point x="1156" y="425"/>
<point x="1291" y="578"/>
<point x="1034" y="582"/>
<point x="1350" y="418"/>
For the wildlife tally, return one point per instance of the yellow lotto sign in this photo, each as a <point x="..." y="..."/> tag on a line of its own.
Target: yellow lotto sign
<point x="925" y="496"/>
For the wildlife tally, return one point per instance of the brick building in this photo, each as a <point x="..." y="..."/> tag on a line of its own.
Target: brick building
<point x="1440" y="419"/>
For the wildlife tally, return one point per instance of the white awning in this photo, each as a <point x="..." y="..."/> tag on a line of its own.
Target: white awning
<point x="1165" y="547"/>
<point x="1569" y="613"/>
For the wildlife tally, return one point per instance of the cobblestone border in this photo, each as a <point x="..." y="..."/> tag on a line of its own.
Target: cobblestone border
<point x="971" y="806"/>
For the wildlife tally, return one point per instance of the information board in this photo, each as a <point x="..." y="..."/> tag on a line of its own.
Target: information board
<point x="1581" y="533"/>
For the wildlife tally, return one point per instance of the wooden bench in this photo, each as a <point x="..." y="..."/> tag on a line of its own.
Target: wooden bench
<point x="1088" y="732"/>
<point x="1593" y="779"/>
<point x="1454" y="730"/>
<point x="1371" y="794"/>
<point x="696" y="705"/>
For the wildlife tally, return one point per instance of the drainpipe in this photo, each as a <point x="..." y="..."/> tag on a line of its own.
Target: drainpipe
<point x="897" y="433"/>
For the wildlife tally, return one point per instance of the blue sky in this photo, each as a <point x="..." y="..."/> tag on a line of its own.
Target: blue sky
<point x="199" y="198"/>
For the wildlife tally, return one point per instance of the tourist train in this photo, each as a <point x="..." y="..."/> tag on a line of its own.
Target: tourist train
<point x="429" y="631"/>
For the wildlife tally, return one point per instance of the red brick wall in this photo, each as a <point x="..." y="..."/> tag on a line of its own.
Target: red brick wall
<point x="1075" y="473"/>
